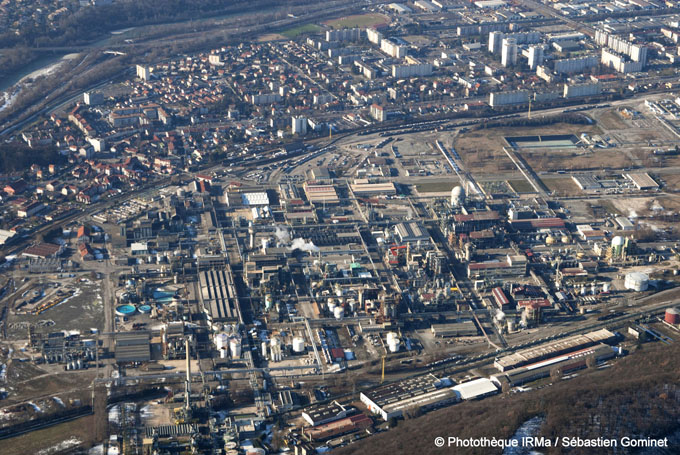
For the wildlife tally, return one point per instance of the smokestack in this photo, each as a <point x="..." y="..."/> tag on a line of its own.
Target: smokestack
<point x="187" y="382"/>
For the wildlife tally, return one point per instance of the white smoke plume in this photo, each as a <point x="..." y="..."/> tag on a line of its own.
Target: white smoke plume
<point x="282" y="235"/>
<point x="301" y="244"/>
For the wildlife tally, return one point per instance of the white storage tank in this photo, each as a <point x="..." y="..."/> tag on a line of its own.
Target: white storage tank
<point x="298" y="345"/>
<point x="605" y="287"/>
<point x="636" y="281"/>
<point x="235" y="347"/>
<point x="393" y="342"/>
<point x="338" y="312"/>
<point x="331" y="304"/>
<point x="221" y="343"/>
<point x="264" y="348"/>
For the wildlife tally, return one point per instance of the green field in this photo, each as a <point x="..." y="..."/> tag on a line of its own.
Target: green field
<point x="359" y="20"/>
<point x="435" y="187"/>
<point x="300" y="30"/>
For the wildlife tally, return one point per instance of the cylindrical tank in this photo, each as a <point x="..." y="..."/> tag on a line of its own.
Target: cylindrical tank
<point x="550" y="240"/>
<point x="457" y="196"/>
<point x="393" y="342"/>
<point x="235" y="347"/>
<point x="221" y="343"/>
<point x="605" y="287"/>
<point x="331" y="304"/>
<point x="263" y="346"/>
<point x="636" y="281"/>
<point x="298" y="345"/>
<point x="672" y="316"/>
<point x="338" y="312"/>
<point x="565" y="239"/>
<point x="512" y="325"/>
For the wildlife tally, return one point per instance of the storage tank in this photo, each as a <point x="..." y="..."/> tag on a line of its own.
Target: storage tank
<point x="617" y="246"/>
<point x="263" y="346"/>
<point x="605" y="287"/>
<point x="512" y="325"/>
<point x="672" y="316"/>
<point x="550" y="240"/>
<point x="298" y="345"/>
<point x="457" y="196"/>
<point x="221" y="343"/>
<point x="331" y="304"/>
<point x="393" y="342"/>
<point x="565" y="239"/>
<point x="235" y="347"/>
<point x="636" y="281"/>
<point x="338" y="312"/>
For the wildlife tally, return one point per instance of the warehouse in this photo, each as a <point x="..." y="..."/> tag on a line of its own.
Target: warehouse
<point x="476" y="389"/>
<point x="373" y="189"/>
<point x="337" y="427"/>
<point x="43" y="250"/>
<point x="424" y="392"/>
<point x="325" y="413"/>
<point x="555" y="348"/>
<point x="454" y="329"/>
<point x="133" y="347"/>
<point x="411" y="232"/>
<point x="567" y="363"/>
<point x="642" y="181"/>
<point x="321" y="194"/>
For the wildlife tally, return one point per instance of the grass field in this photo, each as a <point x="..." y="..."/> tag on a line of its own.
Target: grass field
<point x="435" y="187"/>
<point x="521" y="186"/>
<point x="359" y="20"/>
<point x="300" y="30"/>
<point x="50" y="438"/>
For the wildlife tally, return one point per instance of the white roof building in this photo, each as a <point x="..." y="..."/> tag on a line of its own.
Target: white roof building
<point x="475" y="389"/>
<point x="259" y="198"/>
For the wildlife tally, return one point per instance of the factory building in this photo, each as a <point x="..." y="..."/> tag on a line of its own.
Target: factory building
<point x="337" y="427"/>
<point x="511" y="267"/>
<point x="365" y="189"/>
<point x="454" y="329"/>
<point x="553" y="349"/>
<point x="325" y="413"/>
<point x="425" y="392"/>
<point x="218" y="296"/>
<point x="411" y="232"/>
<point x="132" y="347"/>
<point x="475" y="389"/>
<point x="321" y="194"/>
<point x="568" y="362"/>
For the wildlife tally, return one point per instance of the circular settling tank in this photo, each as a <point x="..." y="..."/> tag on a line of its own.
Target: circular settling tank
<point x="144" y="309"/>
<point x="125" y="310"/>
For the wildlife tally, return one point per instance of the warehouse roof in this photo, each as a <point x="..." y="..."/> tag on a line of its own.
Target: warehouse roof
<point x="475" y="389"/>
